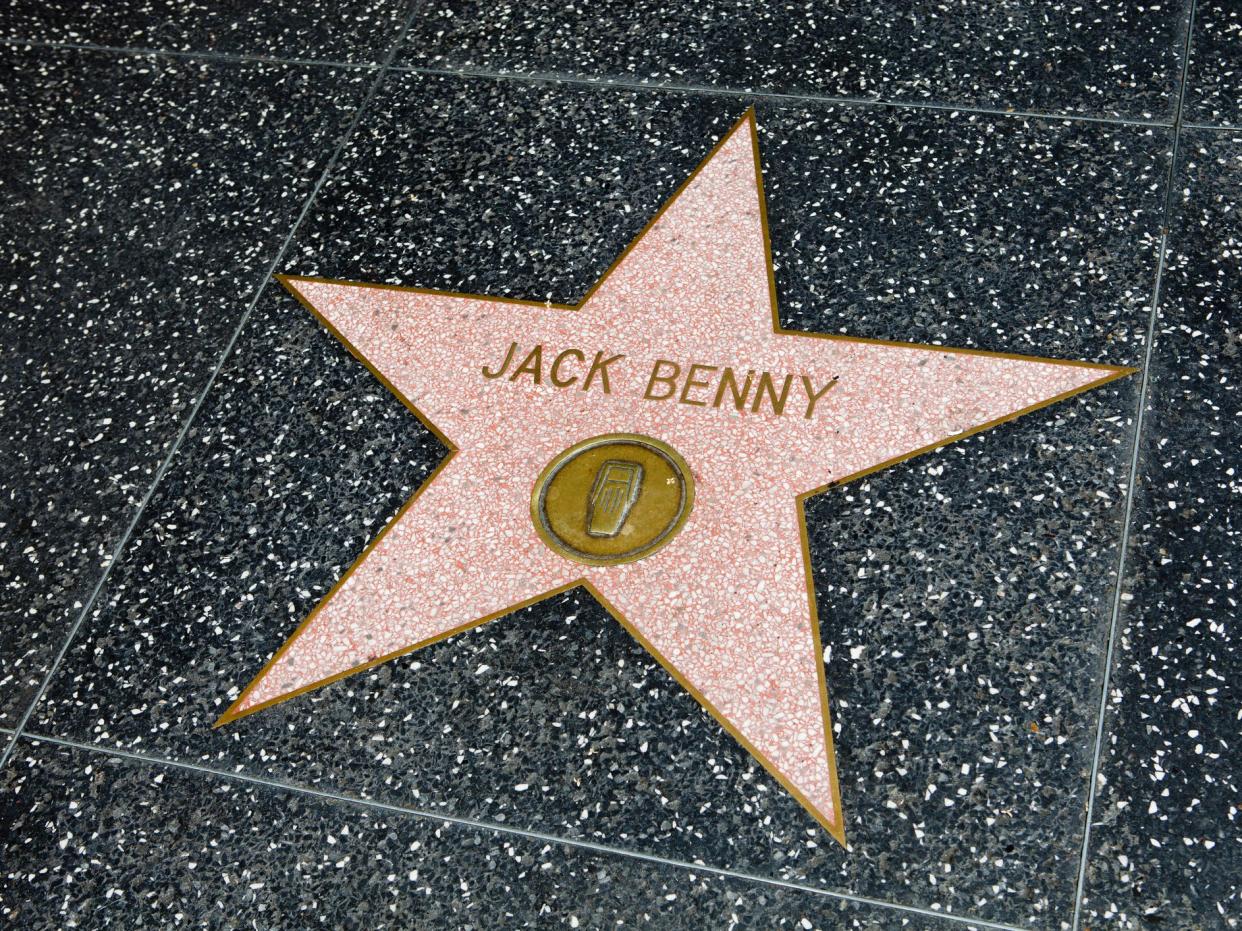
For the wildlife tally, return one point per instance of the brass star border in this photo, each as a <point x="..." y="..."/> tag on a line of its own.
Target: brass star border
<point x="748" y="120"/>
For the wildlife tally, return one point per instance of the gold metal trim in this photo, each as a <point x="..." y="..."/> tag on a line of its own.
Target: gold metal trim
<point x="835" y="828"/>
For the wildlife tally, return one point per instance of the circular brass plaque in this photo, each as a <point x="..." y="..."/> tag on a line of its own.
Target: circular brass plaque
<point x="612" y="499"/>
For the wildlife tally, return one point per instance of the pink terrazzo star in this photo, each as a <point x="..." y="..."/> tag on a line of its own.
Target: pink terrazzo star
<point x="727" y="607"/>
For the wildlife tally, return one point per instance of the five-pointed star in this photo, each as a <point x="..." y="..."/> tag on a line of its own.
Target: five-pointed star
<point x="728" y="606"/>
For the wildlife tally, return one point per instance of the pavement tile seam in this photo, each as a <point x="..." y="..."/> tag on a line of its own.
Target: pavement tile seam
<point x="20" y="42"/>
<point x="542" y="77"/>
<point x="539" y="77"/>
<point x="1132" y="479"/>
<point x="1234" y="130"/>
<point x="263" y="283"/>
<point x="376" y="805"/>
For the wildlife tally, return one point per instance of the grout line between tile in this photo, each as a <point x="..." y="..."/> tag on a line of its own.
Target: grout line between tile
<point x="540" y="77"/>
<point x="1216" y="127"/>
<point x="1131" y="485"/>
<point x="178" y="53"/>
<point x="166" y="463"/>
<point x="474" y="824"/>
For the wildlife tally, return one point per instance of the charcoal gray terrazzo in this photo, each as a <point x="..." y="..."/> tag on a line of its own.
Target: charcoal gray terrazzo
<point x="1104" y="57"/>
<point x="142" y="201"/>
<point x="98" y="842"/>
<point x="965" y="596"/>
<point x="354" y="31"/>
<point x="1214" y="81"/>
<point x="1167" y="847"/>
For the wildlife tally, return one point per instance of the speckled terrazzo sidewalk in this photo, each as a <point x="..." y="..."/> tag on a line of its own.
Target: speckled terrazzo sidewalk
<point x="1030" y="635"/>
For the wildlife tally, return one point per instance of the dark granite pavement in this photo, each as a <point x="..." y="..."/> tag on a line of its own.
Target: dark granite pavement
<point x="1023" y="743"/>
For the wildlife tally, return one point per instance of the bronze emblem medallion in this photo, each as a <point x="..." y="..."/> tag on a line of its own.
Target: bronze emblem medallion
<point x="612" y="499"/>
